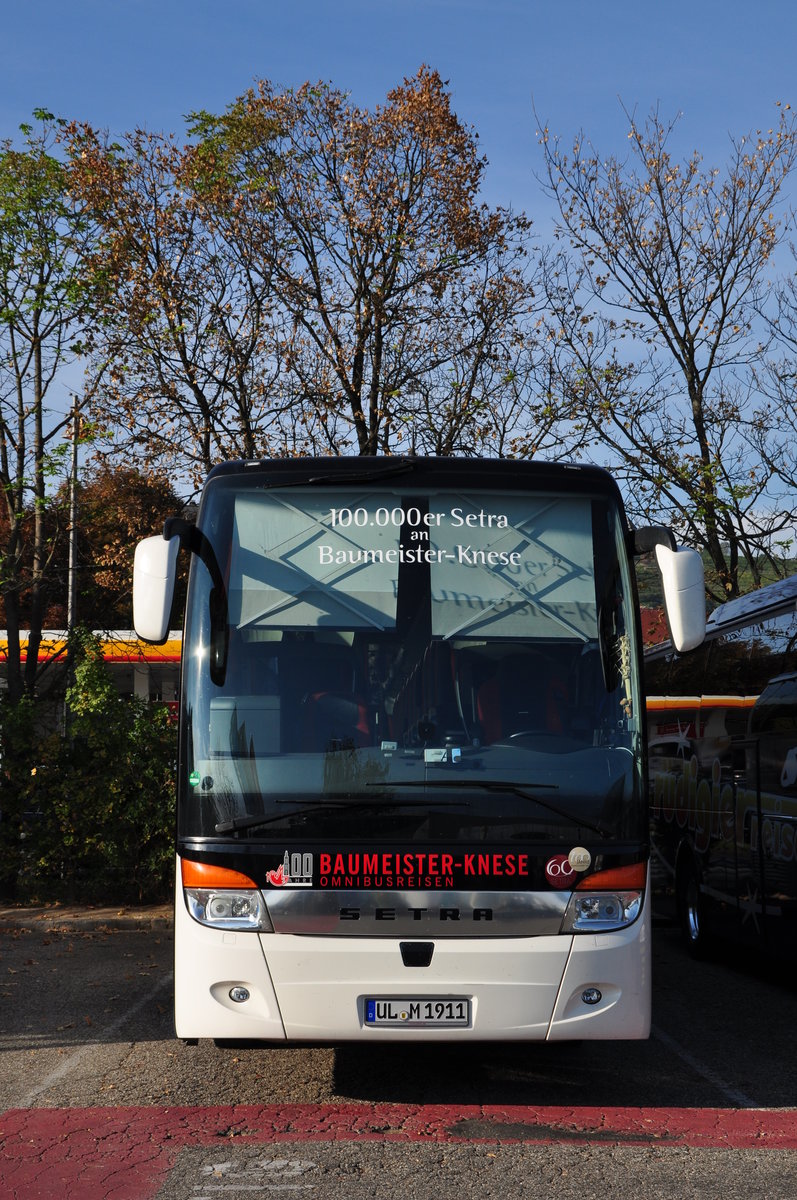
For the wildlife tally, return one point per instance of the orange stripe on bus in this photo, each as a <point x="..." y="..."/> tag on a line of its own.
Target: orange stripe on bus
<point x="205" y="875"/>
<point x="633" y="876"/>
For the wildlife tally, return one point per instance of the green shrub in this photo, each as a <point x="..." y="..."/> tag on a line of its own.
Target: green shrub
<point x="89" y="816"/>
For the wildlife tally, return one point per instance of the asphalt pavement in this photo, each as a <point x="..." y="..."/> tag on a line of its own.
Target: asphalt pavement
<point x="73" y="917"/>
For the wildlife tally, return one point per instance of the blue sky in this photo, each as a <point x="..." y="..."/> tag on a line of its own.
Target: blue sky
<point x="123" y="63"/>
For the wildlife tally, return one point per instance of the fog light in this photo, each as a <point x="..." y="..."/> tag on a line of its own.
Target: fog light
<point x="591" y="996"/>
<point x="239" y="994"/>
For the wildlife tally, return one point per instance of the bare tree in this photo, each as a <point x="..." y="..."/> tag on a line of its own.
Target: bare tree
<point x="653" y="331"/>
<point x="772" y="429"/>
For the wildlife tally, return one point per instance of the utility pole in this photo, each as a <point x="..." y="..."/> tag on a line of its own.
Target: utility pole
<point x="71" y="574"/>
<point x="71" y="598"/>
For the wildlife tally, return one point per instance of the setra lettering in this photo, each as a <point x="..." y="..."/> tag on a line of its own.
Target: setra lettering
<point x="416" y="914"/>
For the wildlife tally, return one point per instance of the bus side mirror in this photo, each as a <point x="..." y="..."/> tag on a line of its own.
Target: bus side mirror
<point x="154" y="576"/>
<point x="684" y="595"/>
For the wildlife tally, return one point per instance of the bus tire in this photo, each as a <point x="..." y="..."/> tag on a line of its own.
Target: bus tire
<point x="692" y="909"/>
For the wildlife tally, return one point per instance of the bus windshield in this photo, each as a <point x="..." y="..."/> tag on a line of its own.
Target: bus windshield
<point x="381" y="662"/>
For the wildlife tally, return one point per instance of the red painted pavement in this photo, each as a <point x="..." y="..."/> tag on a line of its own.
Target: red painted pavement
<point x="126" y="1153"/>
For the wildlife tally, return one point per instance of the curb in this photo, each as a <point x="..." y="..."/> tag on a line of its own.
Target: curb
<point x="152" y="918"/>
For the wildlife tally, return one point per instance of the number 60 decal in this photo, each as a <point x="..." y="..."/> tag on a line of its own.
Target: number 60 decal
<point x="559" y="871"/>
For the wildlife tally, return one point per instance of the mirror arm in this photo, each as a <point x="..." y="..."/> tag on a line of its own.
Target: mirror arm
<point x="195" y="541"/>
<point x="646" y="539"/>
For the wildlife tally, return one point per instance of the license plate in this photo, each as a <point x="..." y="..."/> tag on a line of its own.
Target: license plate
<point x="418" y="1012"/>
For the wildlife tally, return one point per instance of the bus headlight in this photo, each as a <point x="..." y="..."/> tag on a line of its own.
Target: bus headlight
<point x="228" y="909"/>
<point x="600" y="912"/>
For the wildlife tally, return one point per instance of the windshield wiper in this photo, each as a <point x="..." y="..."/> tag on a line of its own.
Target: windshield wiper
<point x="527" y="791"/>
<point x="238" y="824"/>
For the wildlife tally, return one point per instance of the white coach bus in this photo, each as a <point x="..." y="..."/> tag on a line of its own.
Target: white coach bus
<point x="412" y="796"/>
